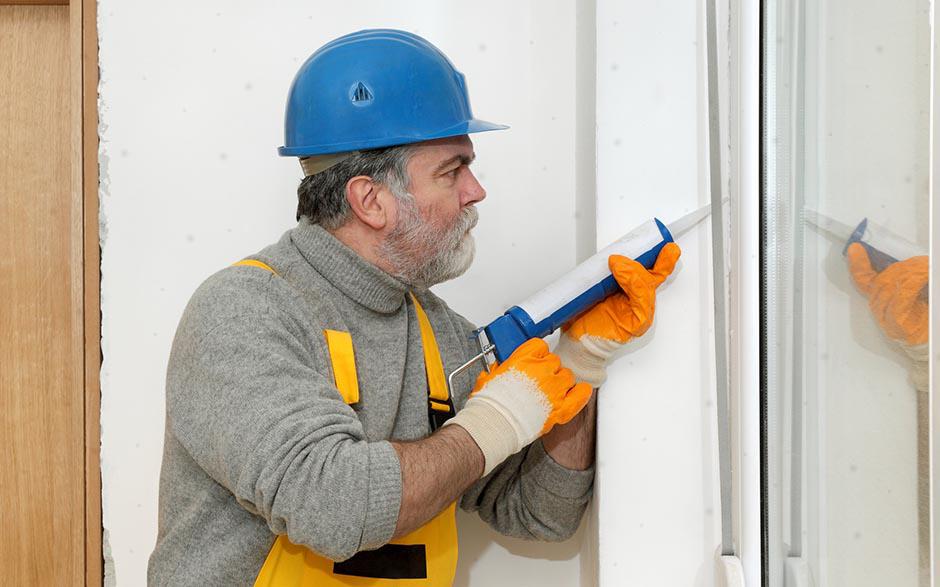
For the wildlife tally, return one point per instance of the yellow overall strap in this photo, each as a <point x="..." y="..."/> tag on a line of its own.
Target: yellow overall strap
<point x="426" y="557"/>
<point x="344" y="364"/>
<point x="437" y="383"/>
<point x="339" y="345"/>
<point x="254" y="263"/>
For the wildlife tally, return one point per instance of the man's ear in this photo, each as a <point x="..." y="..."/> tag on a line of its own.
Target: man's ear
<point x="365" y="198"/>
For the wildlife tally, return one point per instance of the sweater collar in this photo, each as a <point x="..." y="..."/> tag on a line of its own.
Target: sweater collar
<point x="359" y="279"/>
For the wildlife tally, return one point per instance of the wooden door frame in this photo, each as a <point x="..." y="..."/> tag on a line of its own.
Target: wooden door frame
<point x="84" y="65"/>
<point x="84" y="236"/>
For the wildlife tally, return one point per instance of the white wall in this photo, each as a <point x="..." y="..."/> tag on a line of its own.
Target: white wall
<point x="658" y="516"/>
<point x="191" y="108"/>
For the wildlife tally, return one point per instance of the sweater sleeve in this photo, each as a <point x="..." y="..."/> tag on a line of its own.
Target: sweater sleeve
<point x="529" y="495"/>
<point x="247" y="401"/>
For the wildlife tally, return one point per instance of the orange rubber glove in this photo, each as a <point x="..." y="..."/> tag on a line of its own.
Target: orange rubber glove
<point x="587" y="343"/>
<point x="521" y="399"/>
<point x="897" y="297"/>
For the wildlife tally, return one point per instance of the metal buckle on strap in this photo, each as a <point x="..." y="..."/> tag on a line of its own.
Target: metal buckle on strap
<point x="440" y="412"/>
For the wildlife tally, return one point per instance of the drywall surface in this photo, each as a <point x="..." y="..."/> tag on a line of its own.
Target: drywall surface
<point x="191" y="110"/>
<point x="657" y="488"/>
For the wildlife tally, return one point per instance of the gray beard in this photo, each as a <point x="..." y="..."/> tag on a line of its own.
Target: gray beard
<point x="423" y="254"/>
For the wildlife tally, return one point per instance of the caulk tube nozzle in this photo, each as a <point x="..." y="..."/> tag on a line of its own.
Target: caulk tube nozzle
<point x="883" y="246"/>
<point x="575" y="292"/>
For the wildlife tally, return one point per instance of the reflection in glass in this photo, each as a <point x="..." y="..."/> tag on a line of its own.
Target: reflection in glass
<point x="845" y="233"/>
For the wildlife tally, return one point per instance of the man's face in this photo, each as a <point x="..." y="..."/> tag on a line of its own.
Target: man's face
<point x="431" y="240"/>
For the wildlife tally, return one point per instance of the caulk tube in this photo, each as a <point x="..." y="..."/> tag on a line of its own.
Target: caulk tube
<point x="576" y="292"/>
<point x="884" y="247"/>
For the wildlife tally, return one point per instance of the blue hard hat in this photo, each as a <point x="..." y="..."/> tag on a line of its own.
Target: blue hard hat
<point x="376" y="88"/>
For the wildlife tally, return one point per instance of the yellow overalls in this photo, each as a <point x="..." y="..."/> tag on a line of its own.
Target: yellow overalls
<point x="426" y="557"/>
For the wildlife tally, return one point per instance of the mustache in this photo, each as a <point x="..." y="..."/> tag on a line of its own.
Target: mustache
<point x="467" y="221"/>
<point x="461" y="227"/>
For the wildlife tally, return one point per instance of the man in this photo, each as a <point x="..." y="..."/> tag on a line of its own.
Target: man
<point x="311" y="439"/>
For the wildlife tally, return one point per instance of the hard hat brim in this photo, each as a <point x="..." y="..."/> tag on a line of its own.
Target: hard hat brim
<point x="464" y="128"/>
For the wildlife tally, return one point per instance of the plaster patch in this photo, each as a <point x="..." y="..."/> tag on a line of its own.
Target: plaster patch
<point x="110" y="580"/>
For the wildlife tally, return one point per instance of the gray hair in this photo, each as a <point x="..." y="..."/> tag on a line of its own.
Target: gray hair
<point x="321" y="198"/>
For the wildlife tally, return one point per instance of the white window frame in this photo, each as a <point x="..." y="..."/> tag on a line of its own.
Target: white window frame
<point x="934" y="315"/>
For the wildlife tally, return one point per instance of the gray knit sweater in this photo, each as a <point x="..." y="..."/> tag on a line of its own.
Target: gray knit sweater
<point x="259" y="442"/>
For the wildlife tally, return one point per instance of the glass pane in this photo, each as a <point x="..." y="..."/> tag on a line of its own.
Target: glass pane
<point x="846" y="105"/>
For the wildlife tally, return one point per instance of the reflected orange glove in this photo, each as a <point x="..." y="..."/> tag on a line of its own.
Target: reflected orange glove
<point x="587" y="343"/>
<point x="897" y="297"/>
<point x="521" y="399"/>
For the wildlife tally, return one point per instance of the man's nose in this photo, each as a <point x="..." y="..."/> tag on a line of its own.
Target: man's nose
<point x="471" y="192"/>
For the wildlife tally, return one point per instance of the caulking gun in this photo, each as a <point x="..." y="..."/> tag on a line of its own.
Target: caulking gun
<point x="574" y="293"/>
<point x="883" y="246"/>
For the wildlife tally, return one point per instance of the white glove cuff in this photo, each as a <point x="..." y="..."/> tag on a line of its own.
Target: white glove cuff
<point x="920" y="371"/>
<point x="504" y="417"/>
<point x="490" y="430"/>
<point x="587" y="358"/>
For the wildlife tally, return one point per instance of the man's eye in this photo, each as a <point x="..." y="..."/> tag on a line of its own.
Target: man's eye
<point x="453" y="172"/>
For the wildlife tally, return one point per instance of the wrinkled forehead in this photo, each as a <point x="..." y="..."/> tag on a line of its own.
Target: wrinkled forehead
<point x="431" y="156"/>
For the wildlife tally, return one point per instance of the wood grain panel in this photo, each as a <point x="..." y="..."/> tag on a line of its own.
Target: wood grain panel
<point x="42" y="513"/>
<point x="85" y="43"/>
<point x="35" y="2"/>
